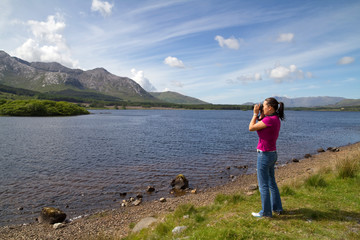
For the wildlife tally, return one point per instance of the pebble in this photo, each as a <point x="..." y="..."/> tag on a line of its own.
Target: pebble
<point x="150" y="189"/>
<point x="137" y="202"/>
<point x="58" y="225"/>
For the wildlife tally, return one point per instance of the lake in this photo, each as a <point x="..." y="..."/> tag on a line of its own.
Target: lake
<point x="81" y="164"/>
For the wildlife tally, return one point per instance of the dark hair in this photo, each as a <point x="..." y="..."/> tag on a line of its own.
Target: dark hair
<point x="278" y="107"/>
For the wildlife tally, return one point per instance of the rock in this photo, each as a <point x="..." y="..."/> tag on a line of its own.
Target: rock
<point x="180" y="182"/>
<point x="139" y="195"/>
<point x="58" y="225"/>
<point x="295" y="160"/>
<point x="20" y="208"/>
<point x="333" y="149"/>
<point x="162" y="199"/>
<point x="241" y="167"/>
<point x="179" y="229"/>
<point x="144" y="223"/>
<point x="227" y="168"/>
<point x="308" y="155"/>
<point x="194" y="191"/>
<point x="137" y="202"/>
<point x="51" y="215"/>
<point x="319" y="150"/>
<point x="150" y="189"/>
<point x="252" y="187"/>
<point x="123" y="194"/>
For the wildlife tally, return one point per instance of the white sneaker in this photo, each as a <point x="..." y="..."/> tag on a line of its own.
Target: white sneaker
<point x="256" y="214"/>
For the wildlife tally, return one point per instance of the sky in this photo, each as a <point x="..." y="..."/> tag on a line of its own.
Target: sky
<point x="222" y="52"/>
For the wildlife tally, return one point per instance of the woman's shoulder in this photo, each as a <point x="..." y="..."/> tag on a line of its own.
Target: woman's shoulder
<point x="270" y="119"/>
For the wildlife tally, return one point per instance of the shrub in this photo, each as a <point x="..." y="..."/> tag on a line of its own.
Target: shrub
<point x="40" y="108"/>
<point x="347" y="167"/>
<point x="315" y="181"/>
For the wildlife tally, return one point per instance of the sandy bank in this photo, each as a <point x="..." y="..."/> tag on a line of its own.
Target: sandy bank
<point x="116" y="222"/>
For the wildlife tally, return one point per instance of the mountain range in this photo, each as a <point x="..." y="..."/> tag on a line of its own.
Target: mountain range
<point x="98" y="84"/>
<point x="53" y="77"/>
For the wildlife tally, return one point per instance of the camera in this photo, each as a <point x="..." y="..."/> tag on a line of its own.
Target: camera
<point x="260" y="108"/>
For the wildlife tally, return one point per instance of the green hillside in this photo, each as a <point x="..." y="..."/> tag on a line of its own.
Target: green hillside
<point x="177" y="98"/>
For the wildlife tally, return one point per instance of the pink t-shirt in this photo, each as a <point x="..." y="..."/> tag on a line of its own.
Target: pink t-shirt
<point x="269" y="135"/>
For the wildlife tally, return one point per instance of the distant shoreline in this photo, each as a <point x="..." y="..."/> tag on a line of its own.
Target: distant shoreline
<point x="225" y="107"/>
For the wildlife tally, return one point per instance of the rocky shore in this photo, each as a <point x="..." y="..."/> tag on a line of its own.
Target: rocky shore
<point x="117" y="222"/>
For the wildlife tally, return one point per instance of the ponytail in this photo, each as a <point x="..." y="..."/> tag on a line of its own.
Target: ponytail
<point x="278" y="107"/>
<point x="280" y="111"/>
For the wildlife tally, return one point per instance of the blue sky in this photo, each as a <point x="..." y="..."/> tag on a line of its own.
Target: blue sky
<point x="223" y="52"/>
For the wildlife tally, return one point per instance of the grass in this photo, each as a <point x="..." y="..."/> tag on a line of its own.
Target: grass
<point x="324" y="205"/>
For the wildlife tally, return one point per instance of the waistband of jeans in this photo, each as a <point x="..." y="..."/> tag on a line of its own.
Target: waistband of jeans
<point x="264" y="151"/>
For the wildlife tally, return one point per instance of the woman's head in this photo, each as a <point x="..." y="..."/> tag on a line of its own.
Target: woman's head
<point x="271" y="105"/>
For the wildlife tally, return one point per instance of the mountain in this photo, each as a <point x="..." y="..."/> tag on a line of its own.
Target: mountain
<point x="348" y="103"/>
<point x="53" y="77"/>
<point x="309" y="101"/>
<point x="174" y="97"/>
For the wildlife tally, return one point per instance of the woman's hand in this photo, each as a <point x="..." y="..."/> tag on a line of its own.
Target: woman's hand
<point x="256" y="109"/>
<point x="253" y="126"/>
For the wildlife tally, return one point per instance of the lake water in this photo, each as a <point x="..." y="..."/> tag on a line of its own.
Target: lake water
<point x="81" y="164"/>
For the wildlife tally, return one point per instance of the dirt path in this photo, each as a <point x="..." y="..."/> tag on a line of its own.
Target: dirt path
<point x="116" y="222"/>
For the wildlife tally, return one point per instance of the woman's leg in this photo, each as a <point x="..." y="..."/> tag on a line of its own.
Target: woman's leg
<point x="275" y="194"/>
<point x="263" y="163"/>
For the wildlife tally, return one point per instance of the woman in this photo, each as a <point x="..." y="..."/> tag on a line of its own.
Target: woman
<point x="267" y="127"/>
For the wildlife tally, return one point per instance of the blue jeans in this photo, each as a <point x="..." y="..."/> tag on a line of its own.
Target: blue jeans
<point x="266" y="179"/>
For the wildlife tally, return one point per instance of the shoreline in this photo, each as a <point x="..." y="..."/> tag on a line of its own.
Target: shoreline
<point x="116" y="222"/>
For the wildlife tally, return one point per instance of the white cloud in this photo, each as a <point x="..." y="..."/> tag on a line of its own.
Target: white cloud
<point x="346" y="60"/>
<point x="231" y="42"/>
<point x="245" y="79"/>
<point x="281" y="73"/>
<point x="285" y="37"/>
<point x="139" y="77"/>
<point x="105" y="8"/>
<point x="47" y="44"/>
<point x="174" y="62"/>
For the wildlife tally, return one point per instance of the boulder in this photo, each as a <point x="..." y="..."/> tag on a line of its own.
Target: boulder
<point x="144" y="223"/>
<point x="308" y="155"/>
<point x="180" y="182"/>
<point x="295" y="160"/>
<point x="51" y="215"/>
